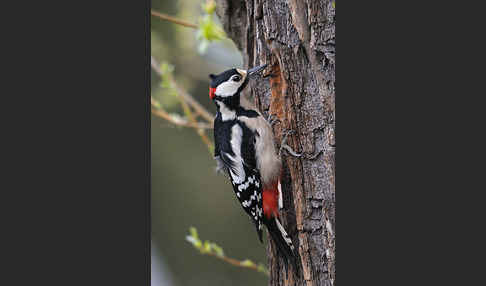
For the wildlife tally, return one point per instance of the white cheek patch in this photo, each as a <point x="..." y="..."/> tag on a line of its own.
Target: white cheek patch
<point x="228" y="88"/>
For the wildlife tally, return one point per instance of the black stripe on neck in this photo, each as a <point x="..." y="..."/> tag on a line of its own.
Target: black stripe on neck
<point x="233" y="104"/>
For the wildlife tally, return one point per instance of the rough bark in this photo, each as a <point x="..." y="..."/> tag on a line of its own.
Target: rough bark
<point x="297" y="39"/>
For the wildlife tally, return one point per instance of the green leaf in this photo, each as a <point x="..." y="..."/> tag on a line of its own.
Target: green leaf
<point x="247" y="262"/>
<point x="209" y="6"/>
<point x="218" y="250"/>
<point x="191" y="239"/>
<point x="209" y="30"/>
<point x="166" y="84"/>
<point x="206" y="247"/>
<point x="193" y="232"/>
<point x="262" y="268"/>
<point x="166" y="68"/>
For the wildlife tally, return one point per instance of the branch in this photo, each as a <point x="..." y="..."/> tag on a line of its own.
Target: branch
<point x="185" y="99"/>
<point x="198" y="108"/>
<point x="211" y="248"/>
<point x="200" y="132"/>
<point x="245" y="263"/>
<point x="174" y="120"/>
<point x="173" y="19"/>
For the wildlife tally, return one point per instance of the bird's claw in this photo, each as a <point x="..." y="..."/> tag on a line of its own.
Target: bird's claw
<point x="272" y="119"/>
<point x="284" y="145"/>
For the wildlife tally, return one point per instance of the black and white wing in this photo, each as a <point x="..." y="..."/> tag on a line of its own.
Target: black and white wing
<point x="237" y="154"/>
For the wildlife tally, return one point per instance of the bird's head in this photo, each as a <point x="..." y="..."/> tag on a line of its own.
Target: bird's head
<point x="230" y="83"/>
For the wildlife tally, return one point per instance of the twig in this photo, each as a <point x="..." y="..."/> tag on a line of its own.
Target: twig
<point x="173" y="19"/>
<point x="200" y="132"/>
<point x="185" y="99"/>
<point x="198" y="108"/>
<point x="211" y="248"/>
<point x="179" y="122"/>
<point x="157" y="110"/>
<point x="235" y="262"/>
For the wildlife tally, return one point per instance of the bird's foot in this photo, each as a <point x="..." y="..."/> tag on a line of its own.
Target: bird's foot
<point x="289" y="149"/>
<point x="272" y="119"/>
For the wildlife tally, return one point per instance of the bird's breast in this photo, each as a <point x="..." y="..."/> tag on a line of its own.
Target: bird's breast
<point x="268" y="162"/>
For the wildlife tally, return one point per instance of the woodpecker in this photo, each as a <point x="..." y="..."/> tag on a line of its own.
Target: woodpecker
<point x="245" y="151"/>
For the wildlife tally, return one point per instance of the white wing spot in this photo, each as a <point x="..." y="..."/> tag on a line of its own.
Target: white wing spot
<point x="243" y="186"/>
<point x="259" y="211"/>
<point x="236" y="137"/>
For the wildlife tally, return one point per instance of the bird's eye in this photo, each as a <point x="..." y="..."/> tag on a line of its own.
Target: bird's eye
<point x="236" y="78"/>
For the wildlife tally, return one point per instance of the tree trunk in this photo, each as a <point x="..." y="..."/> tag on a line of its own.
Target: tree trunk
<point x="296" y="38"/>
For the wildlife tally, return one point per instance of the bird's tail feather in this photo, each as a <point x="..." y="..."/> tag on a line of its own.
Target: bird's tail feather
<point x="282" y="239"/>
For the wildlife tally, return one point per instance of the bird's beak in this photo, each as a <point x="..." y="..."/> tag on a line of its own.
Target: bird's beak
<point x="255" y="70"/>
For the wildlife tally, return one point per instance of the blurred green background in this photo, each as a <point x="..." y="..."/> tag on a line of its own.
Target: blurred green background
<point x="186" y="190"/>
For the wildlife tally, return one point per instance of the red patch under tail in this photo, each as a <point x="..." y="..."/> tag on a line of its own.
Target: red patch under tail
<point x="270" y="200"/>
